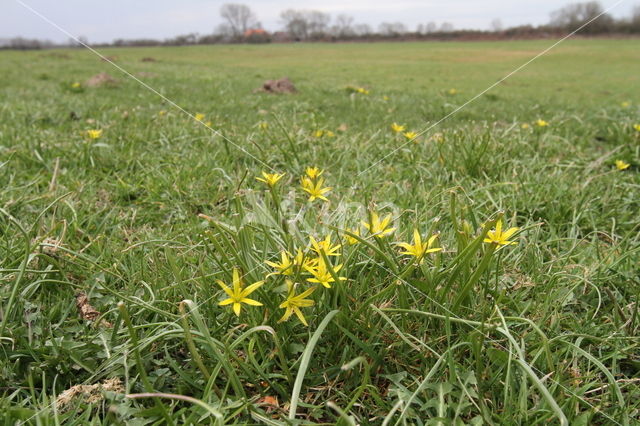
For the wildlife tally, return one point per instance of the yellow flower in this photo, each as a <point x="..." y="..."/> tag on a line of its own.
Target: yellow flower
<point x="270" y="178"/>
<point x="162" y="112"/>
<point x="525" y="126"/>
<point x="362" y="91"/>
<point x="314" y="190"/>
<point x="625" y="104"/>
<point x="622" y="165"/>
<point x="330" y="134"/>
<point x="75" y="85"/>
<point x="285" y="267"/>
<point x="321" y="274"/>
<point x="94" y="134"/>
<point x="263" y="125"/>
<point x="324" y="245"/>
<point x="500" y="238"/>
<point x="294" y="302"/>
<point x="453" y="91"/>
<point x="199" y="116"/>
<point x="541" y="123"/>
<point x="379" y="228"/>
<point x="397" y="127"/>
<point x="385" y="98"/>
<point x="288" y="264"/>
<point x="238" y="295"/>
<point x="352" y="240"/>
<point x="318" y="133"/>
<point x="313" y="172"/>
<point x="208" y="124"/>
<point x="637" y="127"/>
<point x="418" y="249"/>
<point x="410" y="135"/>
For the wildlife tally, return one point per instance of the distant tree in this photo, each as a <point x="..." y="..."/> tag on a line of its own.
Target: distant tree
<point x="343" y="26"/>
<point x="446" y="27"/>
<point x="496" y="25"/>
<point x="573" y="16"/>
<point x="362" y="29"/>
<point x="305" y="24"/>
<point x="392" y="28"/>
<point x="238" y="19"/>
<point x="431" y="27"/>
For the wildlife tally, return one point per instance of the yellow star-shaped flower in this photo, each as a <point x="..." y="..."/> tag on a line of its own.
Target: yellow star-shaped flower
<point x="418" y="249"/>
<point x="500" y="238"/>
<point x="238" y="295"/>
<point x="270" y="178"/>
<point x="377" y="227"/>
<point x="294" y="302"/>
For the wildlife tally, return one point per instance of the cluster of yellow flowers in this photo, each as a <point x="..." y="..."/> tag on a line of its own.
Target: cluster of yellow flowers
<point x="401" y="128"/>
<point x="318" y="264"/>
<point x="200" y="117"/>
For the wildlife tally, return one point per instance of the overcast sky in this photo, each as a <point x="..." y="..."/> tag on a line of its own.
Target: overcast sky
<point x="106" y="20"/>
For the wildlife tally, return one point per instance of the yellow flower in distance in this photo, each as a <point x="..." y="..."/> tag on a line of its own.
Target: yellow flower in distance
<point x="75" y="85"/>
<point x="294" y="302"/>
<point x="362" y="91"/>
<point x="199" y="116"/>
<point x="418" y="249"/>
<point x="625" y="104"/>
<point x="94" y="133"/>
<point x="318" y="133"/>
<point x="324" y="245"/>
<point x="270" y="179"/>
<point x="410" y="135"/>
<point x="313" y="172"/>
<point x="500" y="238"/>
<point x="622" y="165"/>
<point x="263" y="125"/>
<point x="238" y="295"/>
<point x="453" y="91"/>
<point x="314" y="190"/>
<point x="322" y="275"/>
<point x="637" y="127"/>
<point x="398" y="128"/>
<point x="541" y="123"/>
<point x="525" y="126"/>
<point x="377" y="227"/>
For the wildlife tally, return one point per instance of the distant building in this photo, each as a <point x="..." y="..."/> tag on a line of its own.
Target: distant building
<point x="257" y="35"/>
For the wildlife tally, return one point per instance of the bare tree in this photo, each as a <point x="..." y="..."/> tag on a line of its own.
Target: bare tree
<point x="496" y="25"/>
<point x="305" y="24"/>
<point x="343" y="26"/>
<point x="446" y="27"/>
<point x="573" y="16"/>
<point x="431" y="27"/>
<point x="392" y="28"/>
<point x="318" y="22"/>
<point x="238" y="19"/>
<point x="362" y="29"/>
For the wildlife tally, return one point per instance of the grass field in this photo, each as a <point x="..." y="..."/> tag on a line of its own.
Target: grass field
<point x="119" y="245"/>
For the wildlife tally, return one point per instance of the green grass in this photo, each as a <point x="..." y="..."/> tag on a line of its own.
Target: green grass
<point x="146" y="219"/>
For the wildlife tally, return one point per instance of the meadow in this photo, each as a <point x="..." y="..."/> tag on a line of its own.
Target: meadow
<point x="305" y="258"/>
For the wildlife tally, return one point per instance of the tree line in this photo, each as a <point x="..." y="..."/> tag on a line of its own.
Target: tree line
<point x="241" y="25"/>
